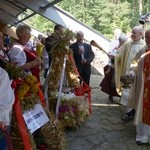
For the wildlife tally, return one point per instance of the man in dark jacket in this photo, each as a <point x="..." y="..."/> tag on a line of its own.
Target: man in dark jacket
<point x="83" y="56"/>
<point x="52" y="39"/>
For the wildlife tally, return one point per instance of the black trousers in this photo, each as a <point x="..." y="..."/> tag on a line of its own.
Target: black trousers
<point x="84" y="76"/>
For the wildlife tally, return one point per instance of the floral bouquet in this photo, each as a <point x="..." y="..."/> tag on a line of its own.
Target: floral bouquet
<point x="73" y="110"/>
<point x="27" y="93"/>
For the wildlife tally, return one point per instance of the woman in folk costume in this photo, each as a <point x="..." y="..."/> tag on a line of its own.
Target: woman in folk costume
<point x="108" y="83"/>
<point x="6" y="103"/>
<point x="141" y="94"/>
<point x="123" y="61"/>
<point x="21" y="56"/>
<point x="28" y="60"/>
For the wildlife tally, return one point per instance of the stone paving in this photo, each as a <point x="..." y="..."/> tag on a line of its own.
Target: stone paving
<point x="104" y="129"/>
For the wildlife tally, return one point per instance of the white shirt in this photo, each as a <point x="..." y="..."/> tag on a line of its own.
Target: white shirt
<point x="17" y="55"/>
<point x="81" y="46"/>
<point x="45" y="58"/>
<point x="114" y="43"/>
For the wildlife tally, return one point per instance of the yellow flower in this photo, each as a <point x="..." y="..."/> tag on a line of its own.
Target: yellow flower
<point x="22" y="90"/>
<point x="31" y="79"/>
<point x="34" y="88"/>
<point x="28" y="87"/>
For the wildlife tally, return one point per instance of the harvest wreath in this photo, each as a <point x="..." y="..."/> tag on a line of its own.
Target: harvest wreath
<point x="71" y="111"/>
<point x="26" y="100"/>
<point x="58" y="53"/>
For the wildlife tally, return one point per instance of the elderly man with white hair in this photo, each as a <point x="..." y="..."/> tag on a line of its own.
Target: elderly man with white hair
<point x="83" y="56"/>
<point x="122" y="65"/>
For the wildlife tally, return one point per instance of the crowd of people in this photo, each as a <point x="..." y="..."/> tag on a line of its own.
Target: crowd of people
<point x="31" y="60"/>
<point x="126" y="58"/>
<point x="131" y="60"/>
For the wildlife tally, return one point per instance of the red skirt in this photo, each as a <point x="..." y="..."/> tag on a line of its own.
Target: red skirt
<point x="108" y="83"/>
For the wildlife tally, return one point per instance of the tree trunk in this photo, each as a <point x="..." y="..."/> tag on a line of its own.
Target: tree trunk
<point x="140" y="7"/>
<point x="148" y="7"/>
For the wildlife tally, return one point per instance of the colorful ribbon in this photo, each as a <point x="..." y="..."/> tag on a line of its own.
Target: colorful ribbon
<point x="20" y="120"/>
<point x="83" y="88"/>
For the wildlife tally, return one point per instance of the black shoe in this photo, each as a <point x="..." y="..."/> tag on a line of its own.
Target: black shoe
<point x="127" y="118"/>
<point x="140" y="143"/>
<point x="111" y="98"/>
<point x="131" y="113"/>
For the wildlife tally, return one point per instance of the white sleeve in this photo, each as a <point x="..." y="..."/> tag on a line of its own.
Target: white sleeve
<point x="113" y="45"/>
<point x="6" y="98"/>
<point x="17" y="55"/>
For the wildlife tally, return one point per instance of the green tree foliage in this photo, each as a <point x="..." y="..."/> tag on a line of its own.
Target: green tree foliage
<point x="101" y="15"/>
<point x="38" y="22"/>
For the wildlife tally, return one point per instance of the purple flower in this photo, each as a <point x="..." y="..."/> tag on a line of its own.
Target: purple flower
<point x="74" y="109"/>
<point x="63" y="108"/>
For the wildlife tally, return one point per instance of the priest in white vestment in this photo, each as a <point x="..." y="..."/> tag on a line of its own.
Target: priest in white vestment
<point x="141" y="94"/>
<point x="123" y="61"/>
